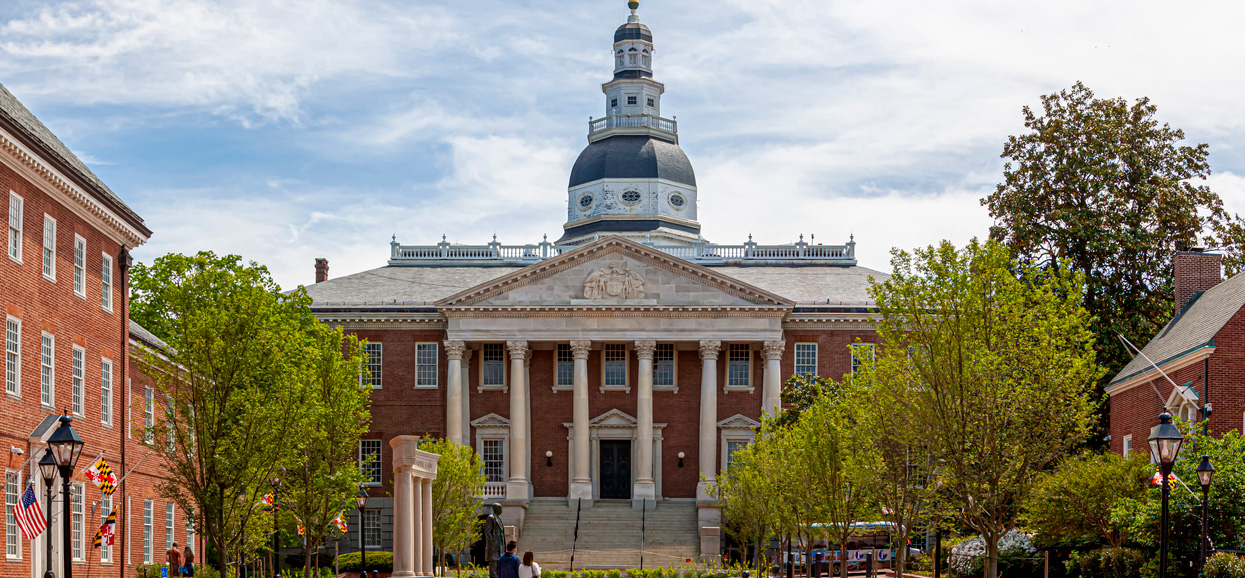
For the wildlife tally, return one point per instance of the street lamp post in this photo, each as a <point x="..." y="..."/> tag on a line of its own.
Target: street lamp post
<point x="1205" y="471"/>
<point x="276" y="546"/>
<point x="360" y="500"/>
<point x="47" y="466"/>
<point x="66" y="446"/>
<point x="1165" y="440"/>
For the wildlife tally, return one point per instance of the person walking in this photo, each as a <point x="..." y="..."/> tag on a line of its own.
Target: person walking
<point x="508" y="565"/>
<point x="188" y="561"/>
<point x="174" y="558"/>
<point x="529" y="568"/>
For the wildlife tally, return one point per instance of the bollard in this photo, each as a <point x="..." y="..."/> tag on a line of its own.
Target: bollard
<point x="869" y="565"/>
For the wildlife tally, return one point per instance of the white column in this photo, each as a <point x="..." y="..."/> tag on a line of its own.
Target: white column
<point x="403" y="523"/>
<point x="426" y="498"/>
<point x="645" y="489"/>
<point x="416" y="543"/>
<point x="516" y="486"/>
<point x="708" y="417"/>
<point x="771" y="389"/>
<point x="466" y="381"/>
<point x="527" y="418"/>
<point x="454" y="392"/>
<point x="581" y="483"/>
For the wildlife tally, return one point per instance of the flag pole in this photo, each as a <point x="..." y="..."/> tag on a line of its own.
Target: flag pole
<point x="127" y="474"/>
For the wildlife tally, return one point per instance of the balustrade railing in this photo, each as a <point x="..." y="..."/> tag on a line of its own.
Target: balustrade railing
<point x="633" y="121"/>
<point x="494" y="490"/>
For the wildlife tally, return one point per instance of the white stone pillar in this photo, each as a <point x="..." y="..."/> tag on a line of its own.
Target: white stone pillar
<point x="771" y="389"/>
<point x="516" y="486"/>
<point x="454" y="392"/>
<point x="581" y="483"/>
<point x="527" y="418"/>
<point x="403" y="523"/>
<point x="645" y="489"/>
<point x="708" y="417"/>
<point x="466" y="381"/>
<point x="416" y="543"/>
<point x="429" y="562"/>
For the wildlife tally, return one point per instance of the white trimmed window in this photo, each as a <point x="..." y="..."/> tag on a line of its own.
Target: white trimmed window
<point x="168" y="525"/>
<point x="49" y="248"/>
<point x="739" y="365"/>
<point x="15" y="227"/>
<point x="1128" y="445"/>
<point x="565" y="374"/>
<point x="147" y="514"/>
<point x="663" y="366"/>
<point x="75" y="492"/>
<point x="615" y="365"/>
<point x="493" y="456"/>
<point x="170" y="435"/>
<point x="426" y="365"/>
<point x="806" y="358"/>
<point x="493" y="365"/>
<point x="733" y="446"/>
<point x="105" y="391"/>
<point x="105" y="276"/>
<point x="369" y="461"/>
<point x="13" y="356"/>
<point x="190" y="528"/>
<point x="149" y="416"/>
<point x="79" y="368"/>
<point x="371" y="528"/>
<point x="105" y="508"/>
<point x="371" y="365"/>
<point x="79" y="266"/>
<point x="47" y="370"/>
<point x="860" y="353"/>
<point x="12" y="535"/>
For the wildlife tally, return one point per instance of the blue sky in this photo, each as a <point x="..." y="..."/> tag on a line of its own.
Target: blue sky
<point x="289" y="130"/>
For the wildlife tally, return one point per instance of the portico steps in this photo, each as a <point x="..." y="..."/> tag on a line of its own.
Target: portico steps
<point x="609" y="534"/>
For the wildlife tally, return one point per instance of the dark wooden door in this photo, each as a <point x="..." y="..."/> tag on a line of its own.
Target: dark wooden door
<point x="615" y="469"/>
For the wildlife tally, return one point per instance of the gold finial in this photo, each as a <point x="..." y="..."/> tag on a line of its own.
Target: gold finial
<point x="633" y="5"/>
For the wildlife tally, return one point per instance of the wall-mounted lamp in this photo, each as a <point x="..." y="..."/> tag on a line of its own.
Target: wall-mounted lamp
<point x="548" y="458"/>
<point x="680" y="459"/>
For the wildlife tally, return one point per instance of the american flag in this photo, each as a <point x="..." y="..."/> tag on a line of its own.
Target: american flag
<point x="28" y="515"/>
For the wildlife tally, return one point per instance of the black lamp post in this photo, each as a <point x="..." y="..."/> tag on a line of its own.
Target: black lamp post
<point x="47" y="466"/>
<point x="1165" y="440"/>
<point x="360" y="500"/>
<point x="276" y="546"/>
<point x="66" y="446"/>
<point x="1205" y="471"/>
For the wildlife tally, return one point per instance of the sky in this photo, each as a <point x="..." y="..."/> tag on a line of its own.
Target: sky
<point x="286" y="130"/>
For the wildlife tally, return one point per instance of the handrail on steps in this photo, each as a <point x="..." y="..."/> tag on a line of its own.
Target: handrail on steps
<point x="643" y="518"/>
<point x="579" y="506"/>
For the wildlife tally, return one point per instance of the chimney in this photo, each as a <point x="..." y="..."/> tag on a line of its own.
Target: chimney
<point x="1194" y="271"/>
<point x="322" y="270"/>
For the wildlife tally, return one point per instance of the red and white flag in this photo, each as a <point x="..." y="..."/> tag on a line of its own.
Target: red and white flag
<point x="1157" y="480"/>
<point x="28" y="515"/>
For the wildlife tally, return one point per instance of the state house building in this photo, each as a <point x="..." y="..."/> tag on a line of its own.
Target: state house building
<point x="623" y="363"/>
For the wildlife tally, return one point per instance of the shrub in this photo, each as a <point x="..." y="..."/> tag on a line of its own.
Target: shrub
<point x="1225" y="565"/>
<point x="1016" y="556"/>
<point x="1106" y="563"/>
<point x="381" y="561"/>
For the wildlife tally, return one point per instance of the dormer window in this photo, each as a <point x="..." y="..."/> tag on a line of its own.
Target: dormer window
<point x="632" y="100"/>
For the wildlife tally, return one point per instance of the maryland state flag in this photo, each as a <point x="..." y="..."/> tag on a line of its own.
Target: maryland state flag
<point x="267" y="500"/>
<point x="105" y="533"/>
<point x="102" y="476"/>
<point x="1157" y="480"/>
<point x="341" y="524"/>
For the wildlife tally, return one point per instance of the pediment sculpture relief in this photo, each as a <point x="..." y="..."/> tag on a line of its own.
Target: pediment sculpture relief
<point x="611" y="282"/>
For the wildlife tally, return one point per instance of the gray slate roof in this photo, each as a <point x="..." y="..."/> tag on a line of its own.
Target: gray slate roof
<point x="19" y="115"/>
<point x="632" y="157"/>
<point x="425" y="285"/>
<point x="140" y="333"/>
<point x="1191" y="330"/>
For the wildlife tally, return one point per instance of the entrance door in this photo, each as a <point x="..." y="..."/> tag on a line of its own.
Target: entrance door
<point x="615" y="469"/>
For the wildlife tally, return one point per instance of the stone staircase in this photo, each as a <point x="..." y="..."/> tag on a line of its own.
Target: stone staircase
<point x="609" y="534"/>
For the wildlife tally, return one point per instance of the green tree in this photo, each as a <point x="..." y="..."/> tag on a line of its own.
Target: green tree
<point x="320" y="484"/>
<point x="749" y="497"/>
<point x="232" y="373"/>
<point x="798" y="393"/>
<point x="455" y="496"/>
<point x="1000" y="375"/>
<point x="1071" y="506"/>
<point x="1103" y="188"/>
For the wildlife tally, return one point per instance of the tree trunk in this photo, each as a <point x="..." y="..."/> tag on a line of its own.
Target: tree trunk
<point x="900" y="558"/>
<point x="306" y="558"/>
<point x="992" y="555"/>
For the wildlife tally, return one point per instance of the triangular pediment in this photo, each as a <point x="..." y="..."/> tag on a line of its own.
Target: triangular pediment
<point x="615" y="271"/>
<point x="491" y="420"/>
<point x="738" y="421"/>
<point x="613" y="418"/>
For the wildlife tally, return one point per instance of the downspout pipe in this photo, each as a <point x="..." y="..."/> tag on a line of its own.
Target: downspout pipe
<point x="125" y="260"/>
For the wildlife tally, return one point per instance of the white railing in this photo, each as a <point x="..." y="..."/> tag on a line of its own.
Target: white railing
<point x="701" y="252"/>
<point x="494" y="490"/>
<point x="633" y="121"/>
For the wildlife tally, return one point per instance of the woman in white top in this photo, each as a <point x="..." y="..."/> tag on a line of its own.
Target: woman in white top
<point x="529" y="568"/>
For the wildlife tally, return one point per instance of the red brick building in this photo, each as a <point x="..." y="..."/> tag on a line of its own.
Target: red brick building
<point x="67" y="339"/>
<point x="1201" y="351"/>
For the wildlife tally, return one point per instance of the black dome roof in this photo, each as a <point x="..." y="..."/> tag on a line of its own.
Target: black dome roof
<point x="633" y="31"/>
<point x="632" y="157"/>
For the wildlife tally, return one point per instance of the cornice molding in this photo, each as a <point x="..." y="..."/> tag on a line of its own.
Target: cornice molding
<point x="614" y="311"/>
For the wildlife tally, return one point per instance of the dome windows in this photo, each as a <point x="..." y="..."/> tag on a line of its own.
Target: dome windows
<point x="585" y="201"/>
<point x="630" y="197"/>
<point x="632" y="100"/>
<point x="678" y="201"/>
<point x="651" y="102"/>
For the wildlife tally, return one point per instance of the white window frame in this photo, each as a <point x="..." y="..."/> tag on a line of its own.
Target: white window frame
<point x="190" y="528"/>
<point x="170" y="534"/>
<point x="505" y="367"/>
<point x="77" y="386"/>
<point x="376" y="468"/>
<point x="49" y="248"/>
<point x="148" y="506"/>
<point x="79" y="266"/>
<point x="615" y="348"/>
<point x="105" y="508"/>
<point x="13" y="356"/>
<point x="374" y="379"/>
<point x="105" y="282"/>
<point x="732" y="349"/>
<point x="563" y="357"/>
<point x="170" y="434"/>
<point x="674" y="367"/>
<point x="796" y="363"/>
<point x="16" y="226"/>
<point x="12" y="497"/>
<point x="105" y="391"/>
<point x="1128" y="445"/>
<point x="733" y="434"/>
<point x="149" y="415"/>
<point x="370" y="526"/>
<point x="47" y="370"/>
<point x="856" y="347"/>
<point x="427" y="375"/>
<point x="495" y="435"/>
<point x="78" y="530"/>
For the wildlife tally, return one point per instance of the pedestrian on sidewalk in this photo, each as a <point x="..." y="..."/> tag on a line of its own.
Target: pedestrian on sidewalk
<point x="529" y="568"/>
<point x="174" y="557"/>
<point x="188" y="562"/>
<point x="508" y="565"/>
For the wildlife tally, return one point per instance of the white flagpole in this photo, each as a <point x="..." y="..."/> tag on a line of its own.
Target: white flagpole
<point x="132" y="469"/>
